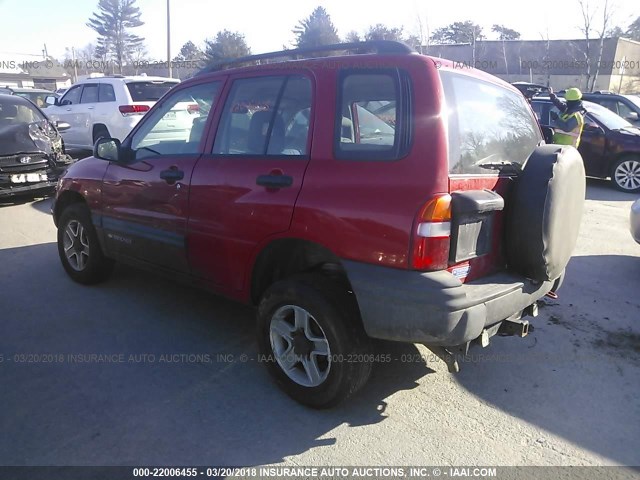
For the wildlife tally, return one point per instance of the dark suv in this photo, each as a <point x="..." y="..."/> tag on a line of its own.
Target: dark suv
<point x="380" y="194"/>
<point x="610" y="146"/>
<point x="627" y="106"/>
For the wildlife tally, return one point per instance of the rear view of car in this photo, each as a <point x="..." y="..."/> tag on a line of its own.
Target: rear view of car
<point x="108" y="106"/>
<point x="375" y="195"/>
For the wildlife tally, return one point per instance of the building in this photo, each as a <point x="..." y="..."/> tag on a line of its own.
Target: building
<point x="25" y="72"/>
<point x="613" y="64"/>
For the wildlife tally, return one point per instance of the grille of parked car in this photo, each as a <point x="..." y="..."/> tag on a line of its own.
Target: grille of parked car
<point x="22" y="163"/>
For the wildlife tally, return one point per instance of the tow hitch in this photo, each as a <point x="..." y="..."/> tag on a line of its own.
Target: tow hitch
<point x="514" y="326"/>
<point x="517" y="328"/>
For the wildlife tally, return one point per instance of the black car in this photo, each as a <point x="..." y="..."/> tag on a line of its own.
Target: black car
<point x="627" y="106"/>
<point x="32" y="154"/>
<point x="610" y="145"/>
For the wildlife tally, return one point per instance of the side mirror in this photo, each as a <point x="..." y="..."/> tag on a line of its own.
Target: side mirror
<point x="51" y="100"/>
<point x="107" y="149"/>
<point x="593" y="128"/>
<point x="62" y="126"/>
<point x="547" y="133"/>
<point x="632" y="117"/>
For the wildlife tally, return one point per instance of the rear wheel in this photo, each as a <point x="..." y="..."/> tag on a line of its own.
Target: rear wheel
<point x="79" y="249"/>
<point x="626" y="174"/>
<point x="311" y="337"/>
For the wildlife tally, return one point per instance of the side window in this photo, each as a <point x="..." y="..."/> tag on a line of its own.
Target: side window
<point x="106" y="93"/>
<point x="89" y="93"/>
<point x="177" y="126"/>
<point x="249" y="124"/>
<point x="72" y="96"/>
<point x="537" y="109"/>
<point x="623" y="110"/>
<point x="372" y="123"/>
<point x="290" y="132"/>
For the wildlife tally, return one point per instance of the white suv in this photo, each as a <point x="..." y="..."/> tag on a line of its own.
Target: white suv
<point x="107" y="107"/>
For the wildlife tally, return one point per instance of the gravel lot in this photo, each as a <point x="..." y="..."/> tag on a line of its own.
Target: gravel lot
<point x="565" y="395"/>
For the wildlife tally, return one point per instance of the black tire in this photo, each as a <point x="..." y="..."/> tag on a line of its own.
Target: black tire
<point x="544" y="212"/>
<point x="100" y="131"/>
<point x="87" y="265"/>
<point x="625" y="174"/>
<point x="334" y="310"/>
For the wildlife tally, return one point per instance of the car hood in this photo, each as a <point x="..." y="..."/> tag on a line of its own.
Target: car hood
<point x="30" y="137"/>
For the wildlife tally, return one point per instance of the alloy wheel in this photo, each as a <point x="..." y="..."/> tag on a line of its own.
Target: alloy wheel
<point x="627" y="175"/>
<point x="76" y="245"/>
<point x="300" y="346"/>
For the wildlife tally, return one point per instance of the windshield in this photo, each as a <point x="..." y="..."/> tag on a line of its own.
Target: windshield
<point x="606" y="116"/>
<point x="635" y="99"/>
<point x="36" y="97"/>
<point x="489" y="125"/>
<point x="149" y="91"/>
<point x="14" y="111"/>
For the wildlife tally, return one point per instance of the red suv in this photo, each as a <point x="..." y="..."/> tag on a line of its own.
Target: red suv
<point x="376" y="194"/>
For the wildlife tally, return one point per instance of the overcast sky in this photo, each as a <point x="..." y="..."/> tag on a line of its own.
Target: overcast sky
<point x="26" y="25"/>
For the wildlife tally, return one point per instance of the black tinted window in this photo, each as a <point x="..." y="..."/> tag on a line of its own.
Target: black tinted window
<point x="488" y="124"/>
<point x="148" y="91"/>
<point x="106" y="93"/>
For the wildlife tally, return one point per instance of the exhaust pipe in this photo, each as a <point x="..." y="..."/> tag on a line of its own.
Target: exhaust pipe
<point x="517" y="328"/>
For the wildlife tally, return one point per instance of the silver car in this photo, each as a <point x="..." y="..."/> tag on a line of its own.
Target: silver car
<point x="635" y="220"/>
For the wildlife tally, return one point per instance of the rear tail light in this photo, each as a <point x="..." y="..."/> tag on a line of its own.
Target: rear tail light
<point x="128" y="110"/>
<point x="433" y="234"/>
<point x="193" y="108"/>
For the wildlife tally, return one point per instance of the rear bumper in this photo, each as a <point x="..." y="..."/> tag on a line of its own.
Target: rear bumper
<point x="435" y="308"/>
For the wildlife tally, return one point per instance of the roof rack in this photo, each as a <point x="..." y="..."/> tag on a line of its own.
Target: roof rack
<point x="379" y="47"/>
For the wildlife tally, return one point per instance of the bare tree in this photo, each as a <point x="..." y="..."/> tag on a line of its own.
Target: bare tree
<point x="424" y="32"/>
<point x="505" y="34"/>
<point x="608" y="11"/>
<point x="587" y="29"/>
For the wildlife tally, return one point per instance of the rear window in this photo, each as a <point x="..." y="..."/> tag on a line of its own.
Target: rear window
<point x="149" y="91"/>
<point x="488" y="125"/>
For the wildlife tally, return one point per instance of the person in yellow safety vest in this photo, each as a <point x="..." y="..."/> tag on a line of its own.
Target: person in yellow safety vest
<point x="569" y="124"/>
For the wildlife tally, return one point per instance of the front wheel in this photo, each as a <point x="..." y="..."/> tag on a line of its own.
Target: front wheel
<point x="312" y="340"/>
<point x="79" y="249"/>
<point x="626" y="174"/>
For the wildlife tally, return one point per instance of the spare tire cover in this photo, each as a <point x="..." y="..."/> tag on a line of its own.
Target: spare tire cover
<point x="544" y="212"/>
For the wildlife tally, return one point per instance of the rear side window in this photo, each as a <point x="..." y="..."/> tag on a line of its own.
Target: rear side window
<point x="149" y="91"/>
<point x="373" y="115"/>
<point x="488" y="125"/>
<point x="106" y="93"/>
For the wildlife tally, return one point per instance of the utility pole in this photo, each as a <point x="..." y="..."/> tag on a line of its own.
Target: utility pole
<point x="75" y="65"/>
<point x="169" y="39"/>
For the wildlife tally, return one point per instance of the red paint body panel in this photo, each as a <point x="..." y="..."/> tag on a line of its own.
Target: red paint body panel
<point x="137" y="195"/>
<point x="363" y="211"/>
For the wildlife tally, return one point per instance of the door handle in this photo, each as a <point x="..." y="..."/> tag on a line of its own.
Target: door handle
<point x="90" y="108"/>
<point x="172" y="175"/>
<point x="274" y="181"/>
